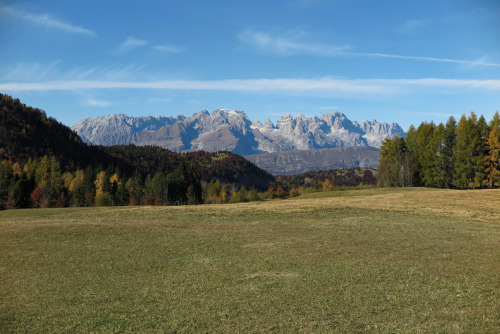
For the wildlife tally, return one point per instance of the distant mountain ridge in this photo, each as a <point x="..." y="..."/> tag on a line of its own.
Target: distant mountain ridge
<point x="232" y="130"/>
<point x="297" y="162"/>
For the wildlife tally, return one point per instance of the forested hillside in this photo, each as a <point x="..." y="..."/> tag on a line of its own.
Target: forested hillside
<point x="44" y="164"/>
<point x="463" y="156"/>
<point x="27" y="132"/>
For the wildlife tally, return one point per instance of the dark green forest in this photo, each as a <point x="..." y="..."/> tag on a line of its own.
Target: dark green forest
<point x="463" y="155"/>
<point x="43" y="163"/>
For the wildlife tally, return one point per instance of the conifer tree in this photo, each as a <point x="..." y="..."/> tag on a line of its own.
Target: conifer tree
<point x="136" y="188"/>
<point x="395" y="166"/>
<point x="447" y="158"/>
<point x="468" y="153"/>
<point x="492" y="158"/>
<point x="159" y="188"/>
<point x="436" y="149"/>
<point x="412" y="147"/>
<point x="6" y="177"/>
<point x="89" y="185"/>
<point x="483" y="133"/>
<point x="122" y="195"/>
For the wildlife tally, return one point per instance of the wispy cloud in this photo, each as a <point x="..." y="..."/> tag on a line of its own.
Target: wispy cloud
<point x="28" y="71"/>
<point x="133" y="42"/>
<point x="46" y="20"/>
<point x="434" y="59"/>
<point x="291" y="46"/>
<point x="97" y="103"/>
<point x="287" y="46"/>
<point x="169" y="48"/>
<point x="159" y="100"/>
<point x="45" y="72"/>
<point x="328" y="86"/>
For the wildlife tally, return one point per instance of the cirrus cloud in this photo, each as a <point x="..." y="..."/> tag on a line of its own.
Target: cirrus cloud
<point x="290" y="46"/>
<point x="46" y="20"/>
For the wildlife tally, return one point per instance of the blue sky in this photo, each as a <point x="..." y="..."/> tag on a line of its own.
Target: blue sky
<point x="394" y="61"/>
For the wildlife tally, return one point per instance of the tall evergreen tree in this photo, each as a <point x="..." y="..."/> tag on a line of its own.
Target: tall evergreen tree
<point x="492" y="158"/>
<point x="437" y="147"/>
<point x="447" y="159"/>
<point x="468" y="153"/>
<point x="412" y="147"/>
<point x="395" y="165"/>
<point x="159" y="187"/>
<point x="425" y="152"/>
<point x="137" y="188"/>
<point x="122" y="196"/>
<point x="21" y="192"/>
<point x="6" y="177"/>
<point x="484" y="130"/>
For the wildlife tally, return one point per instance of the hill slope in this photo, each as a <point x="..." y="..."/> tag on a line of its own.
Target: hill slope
<point x="27" y="132"/>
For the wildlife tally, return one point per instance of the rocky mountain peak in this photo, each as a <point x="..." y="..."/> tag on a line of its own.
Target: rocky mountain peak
<point x="268" y="124"/>
<point x="257" y="124"/>
<point x="227" y="129"/>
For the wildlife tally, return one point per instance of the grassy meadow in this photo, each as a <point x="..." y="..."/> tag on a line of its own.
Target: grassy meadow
<point x="378" y="260"/>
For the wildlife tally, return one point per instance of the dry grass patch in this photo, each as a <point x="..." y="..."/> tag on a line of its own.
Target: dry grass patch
<point x="479" y="205"/>
<point x="381" y="260"/>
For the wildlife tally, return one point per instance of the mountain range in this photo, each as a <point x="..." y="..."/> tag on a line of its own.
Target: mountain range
<point x="232" y="130"/>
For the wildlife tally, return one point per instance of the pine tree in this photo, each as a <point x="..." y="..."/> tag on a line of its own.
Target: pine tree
<point x="468" y="153"/>
<point x="492" y="158"/>
<point x="89" y="185"/>
<point x="159" y="188"/>
<point x="412" y="147"/>
<point x="6" y="177"/>
<point x="395" y="165"/>
<point x="447" y="157"/>
<point x="437" y="148"/>
<point x="21" y="192"/>
<point x="136" y="188"/>
<point x="483" y="133"/>
<point x="122" y="197"/>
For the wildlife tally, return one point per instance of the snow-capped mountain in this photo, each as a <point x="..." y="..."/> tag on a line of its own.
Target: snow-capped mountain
<point x="232" y="130"/>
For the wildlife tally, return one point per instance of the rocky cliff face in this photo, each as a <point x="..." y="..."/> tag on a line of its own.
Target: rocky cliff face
<point x="232" y="130"/>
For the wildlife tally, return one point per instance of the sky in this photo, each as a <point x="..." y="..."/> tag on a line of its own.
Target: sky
<point x="393" y="61"/>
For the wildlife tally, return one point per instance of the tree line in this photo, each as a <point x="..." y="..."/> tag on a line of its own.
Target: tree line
<point x="463" y="155"/>
<point x="41" y="183"/>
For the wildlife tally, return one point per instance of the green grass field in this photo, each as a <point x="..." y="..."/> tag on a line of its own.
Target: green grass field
<point x="380" y="260"/>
